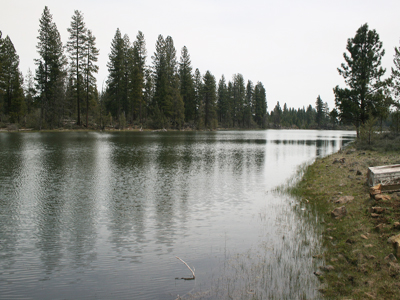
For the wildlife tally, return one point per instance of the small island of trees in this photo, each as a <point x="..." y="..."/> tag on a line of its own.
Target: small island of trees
<point x="170" y="93"/>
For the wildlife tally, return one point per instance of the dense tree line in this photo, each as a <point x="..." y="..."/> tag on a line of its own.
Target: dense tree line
<point x="170" y="93"/>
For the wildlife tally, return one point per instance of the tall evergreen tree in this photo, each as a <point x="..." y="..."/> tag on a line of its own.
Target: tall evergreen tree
<point x="177" y="112"/>
<point x="231" y="104"/>
<point x="160" y="76"/>
<point x="396" y="78"/>
<point x="362" y="73"/>
<point x="277" y="115"/>
<point x="198" y="87"/>
<point x="395" y="115"/>
<point x="170" y="58"/>
<point x="310" y="116"/>
<point x="91" y="57"/>
<point x="77" y="53"/>
<point x="178" y="107"/>
<point x="50" y="72"/>
<point x="260" y="105"/>
<point x="126" y="95"/>
<point x="248" y="105"/>
<point x="167" y="96"/>
<point x="116" y="73"/>
<point x="223" y="107"/>
<point x="186" y="85"/>
<point x="11" y="81"/>
<point x="138" y="76"/>
<point x="30" y="92"/>
<point x="320" y="116"/>
<point x="209" y="100"/>
<point x="286" y="118"/>
<point x="333" y="117"/>
<point x="148" y="92"/>
<point x="238" y="99"/>
<point x="70" y="97"/>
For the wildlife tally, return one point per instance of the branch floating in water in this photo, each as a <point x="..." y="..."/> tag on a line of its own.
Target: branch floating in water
<point x="187" y="278"/>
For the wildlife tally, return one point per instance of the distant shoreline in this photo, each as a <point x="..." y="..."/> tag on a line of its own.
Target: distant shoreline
<point x="344" y="128"/>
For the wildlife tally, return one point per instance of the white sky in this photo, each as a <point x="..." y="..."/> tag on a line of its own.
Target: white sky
<point x="293" y="47"/>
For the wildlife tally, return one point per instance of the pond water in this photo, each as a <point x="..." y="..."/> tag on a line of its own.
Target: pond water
<point x="104" y="215"/>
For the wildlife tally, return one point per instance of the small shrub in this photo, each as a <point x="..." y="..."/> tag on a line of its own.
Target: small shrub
<point x="368" y="131"/>
<point x="12" y="127"/>
<point x="122" y="121"/>
<point x="32" y="120"/>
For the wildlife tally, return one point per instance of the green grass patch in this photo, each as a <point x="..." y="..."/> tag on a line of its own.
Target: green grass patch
<point x="353" y="246"/>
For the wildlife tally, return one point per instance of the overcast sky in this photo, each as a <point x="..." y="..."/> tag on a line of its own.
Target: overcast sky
<point x="293" y="47"/>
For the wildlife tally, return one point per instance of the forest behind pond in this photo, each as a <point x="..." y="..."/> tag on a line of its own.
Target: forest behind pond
<point x="168" y="92"/>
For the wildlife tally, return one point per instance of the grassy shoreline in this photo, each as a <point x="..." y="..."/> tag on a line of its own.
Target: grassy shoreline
<point x="356" y="256"/>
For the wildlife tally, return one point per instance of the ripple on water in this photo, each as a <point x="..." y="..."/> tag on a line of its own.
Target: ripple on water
<point x="104" y="215"/>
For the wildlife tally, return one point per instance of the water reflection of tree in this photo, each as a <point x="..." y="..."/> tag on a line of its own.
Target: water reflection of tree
<point x="159" y="184"/>
<point x="11" y="174"/>
<point x="49" y="205"/>
<point x="127" y="200"/>
<point x="81" y="209"/>
<point x="65" y="209"/>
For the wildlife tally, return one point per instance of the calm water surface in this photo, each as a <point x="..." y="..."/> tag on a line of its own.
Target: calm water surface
<point x="103" y="215"/>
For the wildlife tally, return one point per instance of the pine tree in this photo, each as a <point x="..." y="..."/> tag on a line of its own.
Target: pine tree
<point x="116" y="72"/>
<point x="231" y="104"/>
<point x="50" y="73"/>
<point x="91" y="54"/>
<point x="186" y="85"/>
<point x="310" y="116"/>
<point x="77" y="54"/>
<point x="198" y="87"/>
<point x="396" y="76"/>
<point x="30" y="92"/>
<point x="333" y="117"/>
<point x="127" y="58"/>
<point x="148" y="93"/>
<point x="260" y="105"/>
<point x="209" y="101"/>
<point x="396" y="89"/>
<point x="177" y="112"/>
<point x="70" y="97"/>
<point x="160" y="77"/>
<point x="223" y="107"/>
<point x="362" y="73"/>
<point x="137" y="74"/>
<point x="167" y="97"/>
<point x="248" y="105"/>
<point x="238" y="99"/>
<point x="286" y="118"/>
<point x="277" y="116"/>
<point x="320" y="116"/>
<point x="11" y="81"/>
<point x="170" y="58"/>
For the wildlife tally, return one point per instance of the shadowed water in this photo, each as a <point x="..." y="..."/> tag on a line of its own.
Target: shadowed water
<point x="103" y="215"/>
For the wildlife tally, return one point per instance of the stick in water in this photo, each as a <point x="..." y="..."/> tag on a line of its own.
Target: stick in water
<point x="188" y="268"/>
